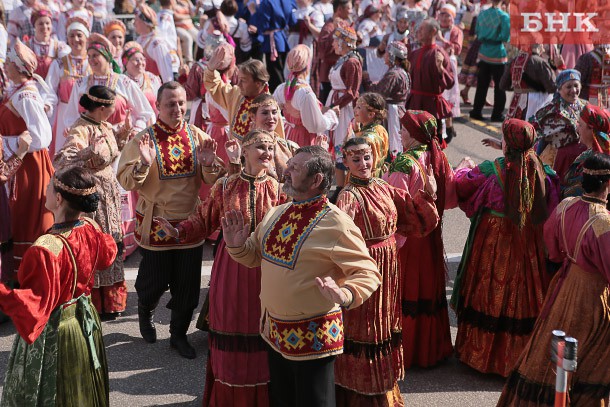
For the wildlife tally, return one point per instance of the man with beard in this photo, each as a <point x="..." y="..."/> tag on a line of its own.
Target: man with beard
<point x="314" y="261"/>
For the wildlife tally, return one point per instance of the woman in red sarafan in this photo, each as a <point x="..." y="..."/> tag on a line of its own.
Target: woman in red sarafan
<point x="237" y="372"/>
<point x="425" y="318"/>
<point x="368" y="371"/>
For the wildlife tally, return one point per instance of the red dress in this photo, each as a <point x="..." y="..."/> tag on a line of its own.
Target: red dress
<point x="235" y="312"/>
<point x="29" y="217"/>
<point x="425" y="318"/>
<point x="368" y="371"/>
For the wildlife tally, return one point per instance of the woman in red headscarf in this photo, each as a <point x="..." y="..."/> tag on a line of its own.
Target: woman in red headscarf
<point x="593" y="129"/>
<point x="46" y="48"/>
<point x="502" y="279"/>
<point x="425" y="318"/>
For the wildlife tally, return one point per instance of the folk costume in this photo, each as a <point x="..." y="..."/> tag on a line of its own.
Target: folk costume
<point x="130" y="99"/>
<point x="234" y="310"/>
<point x="453" y="39"/>
<point x="428" y="84"/>
<point x="533" y="81"/>
<point x="47" y="53"/>
<point x="171" y="191"/>
<point x="345" y="78"/>
<point x="324" y="58"/>
<point x="59" y="332"/>
<point x="426" y="338"/>
<point x="61" y="77"/>
<point x="93" y="145"/>
<point x="368" y="371"/>
<point x="578" y="235"/>
<point x="556" y="124"/>
<point x="377" y="137"/>
<point x="599" y="121"/>
<point x="23" y="109"/>
<point x="229" y="98"/>
<point x="394" y="87"/>
<point x="594" y="68"/>
<point x="161" y="59"/>
<point x="287" y="246"/>
<point x="148" y="82"/>
<point x="300" y="106"/>
<point x="507" y="200"/>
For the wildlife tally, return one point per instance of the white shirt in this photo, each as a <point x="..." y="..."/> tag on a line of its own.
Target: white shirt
<point x="305" y="101"/>
<point x="317" y="18"/>
<point x="29" y="104"/>
<point x="142" y="112"/>
<point x="158" y="50"/>
<point x="166" y="28"/>
<point x="239" y="31"/>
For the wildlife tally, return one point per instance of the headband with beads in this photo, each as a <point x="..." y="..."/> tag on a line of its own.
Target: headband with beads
<point x="261" y="137"/>
<point x="359" y="152"/>
<point x="595" y="172"/>
<point x="74" y="191"/>
<point x="100" y="100"/>
<point x="268" y="102"/>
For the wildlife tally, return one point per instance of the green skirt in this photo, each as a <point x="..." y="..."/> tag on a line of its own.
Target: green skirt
<point x="65" y="366"/>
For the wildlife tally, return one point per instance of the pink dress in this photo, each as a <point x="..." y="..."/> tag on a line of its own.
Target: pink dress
<point x="425" y="318"/>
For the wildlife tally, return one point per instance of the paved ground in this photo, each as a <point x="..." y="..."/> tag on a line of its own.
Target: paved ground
<point x="150" y="375"/>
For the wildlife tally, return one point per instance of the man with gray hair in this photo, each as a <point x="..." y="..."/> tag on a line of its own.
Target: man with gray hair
<point x="431" y="74"/>
<point x="314" y="261"/>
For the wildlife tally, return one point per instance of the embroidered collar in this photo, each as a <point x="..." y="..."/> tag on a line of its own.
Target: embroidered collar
<point x="65" y="226"/>
<point x="360" y="182"/>
<point x="170" y="130"/>
<point x="594" y="200"/>
<point x="369" y="128"/>
<point x="309" y="202"/>
<point x="90" y="120"/>
<point x="253" y="178"/>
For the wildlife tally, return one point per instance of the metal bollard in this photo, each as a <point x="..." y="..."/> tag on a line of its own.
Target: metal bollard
<point x="564" y="354"/>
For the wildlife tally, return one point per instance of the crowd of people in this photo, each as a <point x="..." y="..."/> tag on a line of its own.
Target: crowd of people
<point x="232" y="122"/>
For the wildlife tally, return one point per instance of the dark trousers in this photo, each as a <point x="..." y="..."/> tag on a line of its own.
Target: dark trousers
<point x="276" y="70"/>
<point x="179" y="270"/>
<point x="325" y="89"/>
<point x="485" y="74"/>
<point x="307" y="383"/>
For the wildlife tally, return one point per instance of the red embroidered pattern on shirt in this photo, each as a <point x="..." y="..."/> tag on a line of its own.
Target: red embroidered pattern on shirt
<point x="284" y="239"/>
<point x="175" y="151"/>
<point x="242" y="120"/>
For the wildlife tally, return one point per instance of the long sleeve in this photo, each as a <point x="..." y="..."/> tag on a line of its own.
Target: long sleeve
<point x="142" y="112"/>
<point x="31" y="306"/>
<point x="351" y="74"/>
<point x="552" y="237"/>
<point x="223" y="93"/>
<point x="249" y="254"/>
<point x="30" y="106"/>
<point x="392" y="86"/>
<point x="447" y="79"/>
<point x="127" y="175"/>
<point x="3" y="44"/>
<point x="456" y="39"/>
<point x="159" y="51"/>
<point x="350" y="255"/>
<point x="206" y="217"/>
<point x="306" y="102"/>
<point x="53" y="77"/>
<point x="417" y="215"/>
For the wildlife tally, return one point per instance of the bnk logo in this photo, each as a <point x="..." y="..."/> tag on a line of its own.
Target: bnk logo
<point x="560" y="22"/>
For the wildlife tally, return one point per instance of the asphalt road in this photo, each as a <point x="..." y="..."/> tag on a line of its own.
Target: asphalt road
<point x="153" y="374"/>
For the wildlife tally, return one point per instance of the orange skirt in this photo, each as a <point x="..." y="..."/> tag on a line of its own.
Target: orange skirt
<point x="532" y="383"/>
<point x="501" y="294"/>
<point x="30" y="219"/>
